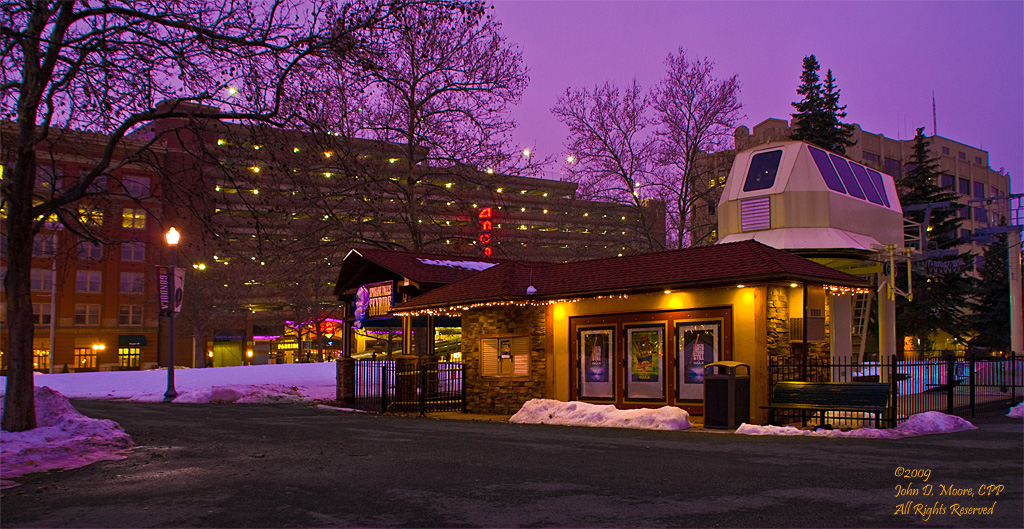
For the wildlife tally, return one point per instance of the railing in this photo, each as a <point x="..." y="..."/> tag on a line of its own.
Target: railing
<point x="950" y="385"/>
<point x="409" y="386"/>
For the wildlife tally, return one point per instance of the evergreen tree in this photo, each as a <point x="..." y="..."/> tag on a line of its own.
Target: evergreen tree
<point x="833" y="131"/>
<point x="991" y="313"/>
<point x="940" y="283"/>
<point x="818" y="113"/>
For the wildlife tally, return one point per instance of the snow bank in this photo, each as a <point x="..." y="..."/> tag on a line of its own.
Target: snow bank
<point x="546" y="411"/>
<point x="63" y="439"/>
<point x="929" y="422"/>
<point x="1017" y="411"/>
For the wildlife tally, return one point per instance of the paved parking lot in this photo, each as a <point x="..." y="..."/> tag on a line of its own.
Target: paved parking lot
<point x="230" y="465"/>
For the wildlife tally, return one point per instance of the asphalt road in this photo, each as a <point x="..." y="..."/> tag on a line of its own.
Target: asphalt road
<point x="231" y="465"/>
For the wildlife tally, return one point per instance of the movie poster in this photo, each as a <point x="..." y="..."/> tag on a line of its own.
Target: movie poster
<point x="596" y="366"/>
<point x="596" y="361"/>
<point x="646" y="354"/>
<point x="698" y="346"/>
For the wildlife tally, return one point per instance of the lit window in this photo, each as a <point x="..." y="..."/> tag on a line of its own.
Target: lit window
<point x="133" y="218"/>
<point x="90" y="216"/>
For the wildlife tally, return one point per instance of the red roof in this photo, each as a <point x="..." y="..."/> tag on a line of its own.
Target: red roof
<point x="709" y="266"/>
<point x="369" y="266"/>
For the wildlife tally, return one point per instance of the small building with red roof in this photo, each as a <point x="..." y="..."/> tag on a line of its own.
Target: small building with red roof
<point x="633" y="331"/>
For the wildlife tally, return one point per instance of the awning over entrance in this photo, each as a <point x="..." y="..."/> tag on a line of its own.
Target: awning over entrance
<point x="131" y="340"/>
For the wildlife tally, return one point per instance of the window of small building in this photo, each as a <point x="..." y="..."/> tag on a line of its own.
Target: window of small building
<point x="505" y="356"/>
<point x="962" y="155"/>
<point x="945" y="150"/>
<point x="870" y="157"/>
<point x="133" y="218"/>
<point x="977" y="160"/>
<point x="764" y="167"/>
<point x="41" y="313"/>
<point x="965" y="186"/>
<point x="946" y="181"/>
<point x="892" y="167"/>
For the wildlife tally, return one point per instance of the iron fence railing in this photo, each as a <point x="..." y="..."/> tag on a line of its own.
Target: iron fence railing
<point x="958" y="386"/>
<point x="409" y="386"/>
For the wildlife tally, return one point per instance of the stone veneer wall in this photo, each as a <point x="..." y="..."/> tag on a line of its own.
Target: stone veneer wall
<point x="504" y="395"/>
<point x="779" y="345"/>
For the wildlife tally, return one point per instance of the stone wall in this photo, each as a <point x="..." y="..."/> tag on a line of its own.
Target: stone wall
<point x="504" y="395"/>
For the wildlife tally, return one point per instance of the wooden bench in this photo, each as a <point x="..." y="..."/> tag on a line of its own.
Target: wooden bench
<point x="867" y="397"/>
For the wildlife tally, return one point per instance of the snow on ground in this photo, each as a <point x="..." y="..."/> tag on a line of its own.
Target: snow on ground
<point x="546" y="411"/>
<point x="66" y="439"/>
<point x="1017" y="411"/>
<point x="929" y="422"/>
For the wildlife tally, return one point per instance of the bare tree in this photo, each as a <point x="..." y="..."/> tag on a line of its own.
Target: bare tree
<point x="440" y="85"/>
<point x="696" y="113"/>
<point x="103" y="67"/>
<point x="612" y="149"/>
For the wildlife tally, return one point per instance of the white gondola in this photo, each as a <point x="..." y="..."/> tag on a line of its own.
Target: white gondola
<point x="794" y="196"/>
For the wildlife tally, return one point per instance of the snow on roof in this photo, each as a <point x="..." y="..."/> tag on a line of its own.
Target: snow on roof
<point x="468" y="265"/>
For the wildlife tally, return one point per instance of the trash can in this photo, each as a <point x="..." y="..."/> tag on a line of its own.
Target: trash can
<point x="726" y="395"/>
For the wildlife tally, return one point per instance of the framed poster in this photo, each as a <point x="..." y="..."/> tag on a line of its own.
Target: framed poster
<point x="645" y="353"/>
<point x="697" y="344"/>
<point x="596" y="368"/>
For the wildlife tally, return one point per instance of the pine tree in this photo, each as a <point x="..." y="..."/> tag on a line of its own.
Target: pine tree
<point x="940" y="283"/>
<point x="818" y="114"/>
<point x="807" y="116"/>
<point x="991" y="315"/>
<point x="835" y="134"/>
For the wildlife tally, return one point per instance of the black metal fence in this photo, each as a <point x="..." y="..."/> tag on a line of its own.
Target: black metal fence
<point x="409" y="386"/>
<point x="958" y="386"/>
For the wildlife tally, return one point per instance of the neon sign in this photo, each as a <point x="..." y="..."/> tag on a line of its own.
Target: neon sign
<point x="485" y="230"/>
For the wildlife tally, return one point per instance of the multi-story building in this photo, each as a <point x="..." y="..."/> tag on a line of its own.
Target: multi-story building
<point x="267" y="215"/>
<point x="94" y="288"/>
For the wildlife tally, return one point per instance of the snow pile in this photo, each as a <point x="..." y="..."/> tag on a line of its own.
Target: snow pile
<point x="243" y="384"/>
<point x="1017" y="411"/>
<point x="546" y="411"/>
<point x="63" y="439"/>
<point x="929" y="422"/>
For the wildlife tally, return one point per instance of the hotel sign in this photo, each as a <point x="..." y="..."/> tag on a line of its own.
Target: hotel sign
<point x="373" y="301"/>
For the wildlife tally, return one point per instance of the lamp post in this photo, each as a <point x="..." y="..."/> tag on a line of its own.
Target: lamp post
<point x="172" y="238"/>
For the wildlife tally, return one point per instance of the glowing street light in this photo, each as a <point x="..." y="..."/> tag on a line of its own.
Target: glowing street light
<point x="172" y="237"/>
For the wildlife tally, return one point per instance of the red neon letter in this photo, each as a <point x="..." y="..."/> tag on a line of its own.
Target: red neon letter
<point x="485" y="213"/>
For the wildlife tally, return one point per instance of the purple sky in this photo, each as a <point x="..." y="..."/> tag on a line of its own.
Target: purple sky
<point x="888" y="58"/>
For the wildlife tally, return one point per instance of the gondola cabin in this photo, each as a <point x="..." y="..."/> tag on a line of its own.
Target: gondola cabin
<point x="794" y="196"/>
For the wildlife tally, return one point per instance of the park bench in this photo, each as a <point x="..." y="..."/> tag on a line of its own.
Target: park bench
<point x="867" y="397"/>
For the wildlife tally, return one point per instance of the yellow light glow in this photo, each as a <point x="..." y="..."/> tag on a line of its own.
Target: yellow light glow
<point x="98" y="347"/>
<point x="222" y="141"/>
<point x="490" y="171"/>
<point x="571" y="159"/>
<point x="256" y="147"/>
<point x="255" y="169"/>
<point x="448" y="185"/>
<point x="740" y="286"/>
<point x="522" y="209"/>
<point x="172" y="236"/>
<point x="392" y="160"/>
<point x="545" y="211"/>
<point x="793" y="285"/>
<point x="232" y="91"/>
<point x="500" y="190"/>
<point x="328" y="175"/>
<point x="249" y="353"/>
<point x="668" y="291"/>
<point x="295" y="149"/>
<point x="327" y="154"/>
<point x="255" y="191"/>
<point x="526" y="152"/>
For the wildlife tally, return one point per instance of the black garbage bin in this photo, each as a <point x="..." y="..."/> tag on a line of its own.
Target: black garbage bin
<point x="726" y="395"/>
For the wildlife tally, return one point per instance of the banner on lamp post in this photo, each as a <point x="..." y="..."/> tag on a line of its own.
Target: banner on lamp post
<point x="170" y="301"/>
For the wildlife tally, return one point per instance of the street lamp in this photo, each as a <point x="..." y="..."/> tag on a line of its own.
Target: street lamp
<point x="172" y="238"/>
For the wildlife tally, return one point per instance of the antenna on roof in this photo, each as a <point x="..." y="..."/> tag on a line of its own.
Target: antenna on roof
<point x="935" y="127"/>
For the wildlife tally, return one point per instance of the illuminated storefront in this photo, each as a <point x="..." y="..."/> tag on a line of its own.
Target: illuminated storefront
<point x="634" y="331"/>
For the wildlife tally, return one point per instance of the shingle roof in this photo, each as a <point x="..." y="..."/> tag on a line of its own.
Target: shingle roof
<point x="367" y="265"/>
<point x="719" y="265"/>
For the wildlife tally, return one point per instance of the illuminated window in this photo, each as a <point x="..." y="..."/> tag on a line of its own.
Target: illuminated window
<point x="90" y="216"/>
<point x="85" y="358"/>
<point x="87" y="314"/>
<point x="133" y="252"/>
<point x="129" y="315"/>
<point x="132" y="282"/>
<point x="88" y="280"/>
<point x="133" y="218"/>
<point x="41" y="360"/>
<point x="129" y="357"/>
